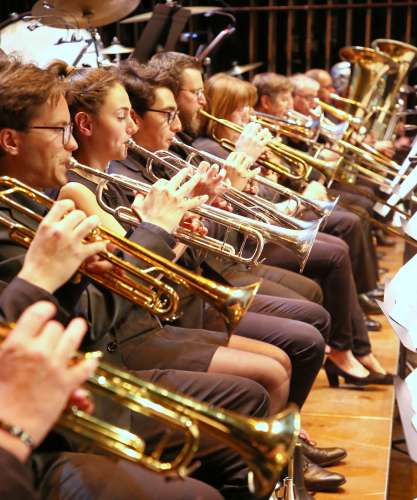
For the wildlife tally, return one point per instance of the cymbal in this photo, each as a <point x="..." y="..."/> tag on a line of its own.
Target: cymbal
<point x="82" y="13"/>
<point x="140" y="18"/>
<point x="239" y="70"/>
<point x="116" y="48"/>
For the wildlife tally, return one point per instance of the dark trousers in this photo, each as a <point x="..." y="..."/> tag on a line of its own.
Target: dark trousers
<point x="297" y="327"/>
<point x="356" y="233"/>
<point x="329" y="262"/>
<point x="272" y="320"/>
<point x="88" y="477"/>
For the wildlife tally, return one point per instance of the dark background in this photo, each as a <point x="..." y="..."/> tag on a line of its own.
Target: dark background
<point x="284" y="47"/>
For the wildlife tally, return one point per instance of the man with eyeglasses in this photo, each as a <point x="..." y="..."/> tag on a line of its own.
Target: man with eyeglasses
<point x="35" y="147"/>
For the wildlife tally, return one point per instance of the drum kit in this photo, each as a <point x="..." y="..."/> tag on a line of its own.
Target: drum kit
<point x="68" y="30"/>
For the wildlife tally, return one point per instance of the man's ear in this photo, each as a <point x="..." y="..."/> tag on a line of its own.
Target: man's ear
<point x="83" y="123"/>
<point x="136" y="118"/>
<point x="10" y="141"/>
<point x="265" y="102"/>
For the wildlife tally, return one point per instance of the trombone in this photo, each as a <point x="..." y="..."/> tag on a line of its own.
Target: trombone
<point x="127" y="280"/>
<point x="300" y="241"/>
<point x="266" y="444"/>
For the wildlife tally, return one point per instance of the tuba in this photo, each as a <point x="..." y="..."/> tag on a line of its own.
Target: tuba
<point x="405" y="55"/>
<point x="265" y="444"/>
<point x="125" y="279"/>
<point x="369" y="71"/>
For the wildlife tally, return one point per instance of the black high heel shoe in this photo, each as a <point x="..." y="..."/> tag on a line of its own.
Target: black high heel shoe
<point x="333" y="373"/>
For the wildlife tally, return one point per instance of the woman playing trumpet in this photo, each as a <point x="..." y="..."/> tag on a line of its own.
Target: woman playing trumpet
<point x="100" y="109"/>
<point x="329" y="261"/>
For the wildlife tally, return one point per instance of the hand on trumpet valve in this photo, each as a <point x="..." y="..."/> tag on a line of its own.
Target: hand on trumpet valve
<point x="194" y="224"/>
<point x="213" y="181"/>
<point x="37" y="378"/>
<point x="238" y="169"/>
<point x="222" y="203"/>
<point x="251" y="187"/>
<point x="168" y="201"/>
<point x="59" y="247"/>
<point x="253" y="140"/>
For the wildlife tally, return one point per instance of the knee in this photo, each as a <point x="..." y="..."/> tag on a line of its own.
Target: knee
<point x="273" y="374"/>
<point x="310" y="344"/>
<point x="256" y="401"/>
<point x="321" y="320"/>
<point x="316" y="293"/>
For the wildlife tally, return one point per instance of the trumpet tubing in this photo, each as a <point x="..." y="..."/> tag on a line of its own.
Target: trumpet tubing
<point x="265" y="444"/>
<point x="231" y="302"/>
<point x="321" y="208"/>
<point x="299" y="165"/>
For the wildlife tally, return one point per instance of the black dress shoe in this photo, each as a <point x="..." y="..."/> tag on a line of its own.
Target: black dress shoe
<point x="322" y="456"/>
<point x="373" y="325"/>
<point x="333" y="373"/>
<point x="369" y="306"/>
<point x="318" y="479"/>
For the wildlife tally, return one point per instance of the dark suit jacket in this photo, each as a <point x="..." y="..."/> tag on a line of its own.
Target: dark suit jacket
<point x="15" y="479"/>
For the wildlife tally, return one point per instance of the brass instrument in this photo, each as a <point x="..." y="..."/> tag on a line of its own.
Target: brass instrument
<point x="254" y="202"/>
<point x="299" y="166"/>
<point x="266" y="444"/>
<point x="369" y="71"/>
<point x="298" y="241"/>
<point x="405" y="55"/>
<point x="127" y="280"/>
<point x="328" y="168"/>
<point x="309" y="129"/>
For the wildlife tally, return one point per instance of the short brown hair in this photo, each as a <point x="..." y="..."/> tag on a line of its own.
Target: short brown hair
<point x="271" y="84"/>
<point x="141" y="81"/>
<point x="24" y="88"/>
<point x="85" y="88"/>
<point x="224" y="94"/>
<point x="174" y="63"/>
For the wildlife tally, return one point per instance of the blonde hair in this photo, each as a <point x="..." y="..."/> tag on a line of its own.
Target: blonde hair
<point x="225" y="94"/>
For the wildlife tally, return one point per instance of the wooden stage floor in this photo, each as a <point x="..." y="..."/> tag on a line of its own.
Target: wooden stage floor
<point x="360" y="420"/>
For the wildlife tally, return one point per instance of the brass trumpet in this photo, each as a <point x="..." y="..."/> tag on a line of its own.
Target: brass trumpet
<point x="126" y="215"/>
<point x="300" y="240"/>
<point x="266" y="444"/>
<point x="127" y="280"/>
<point x="254" y="202"/>
<point x="289" y="154"/>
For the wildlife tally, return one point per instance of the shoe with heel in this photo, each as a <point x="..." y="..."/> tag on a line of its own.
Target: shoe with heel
<point x="333" y="372"/>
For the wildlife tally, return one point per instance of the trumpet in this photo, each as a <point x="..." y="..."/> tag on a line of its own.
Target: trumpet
<point x="127" y="280"/>
<point x="299" y="240"/>
<point x="299" y="165"/>
<point x="126" y="215"/>
<point x="256" y="203"/>
<point x="303" y="160"/>
<point x="266" y="444"/>
<point x="310" y="129"/>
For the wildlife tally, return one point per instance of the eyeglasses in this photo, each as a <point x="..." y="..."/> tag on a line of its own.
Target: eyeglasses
<point x="66" y="131"/>
<point x="171" y="115"/>
<point x="198" y="93"/>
